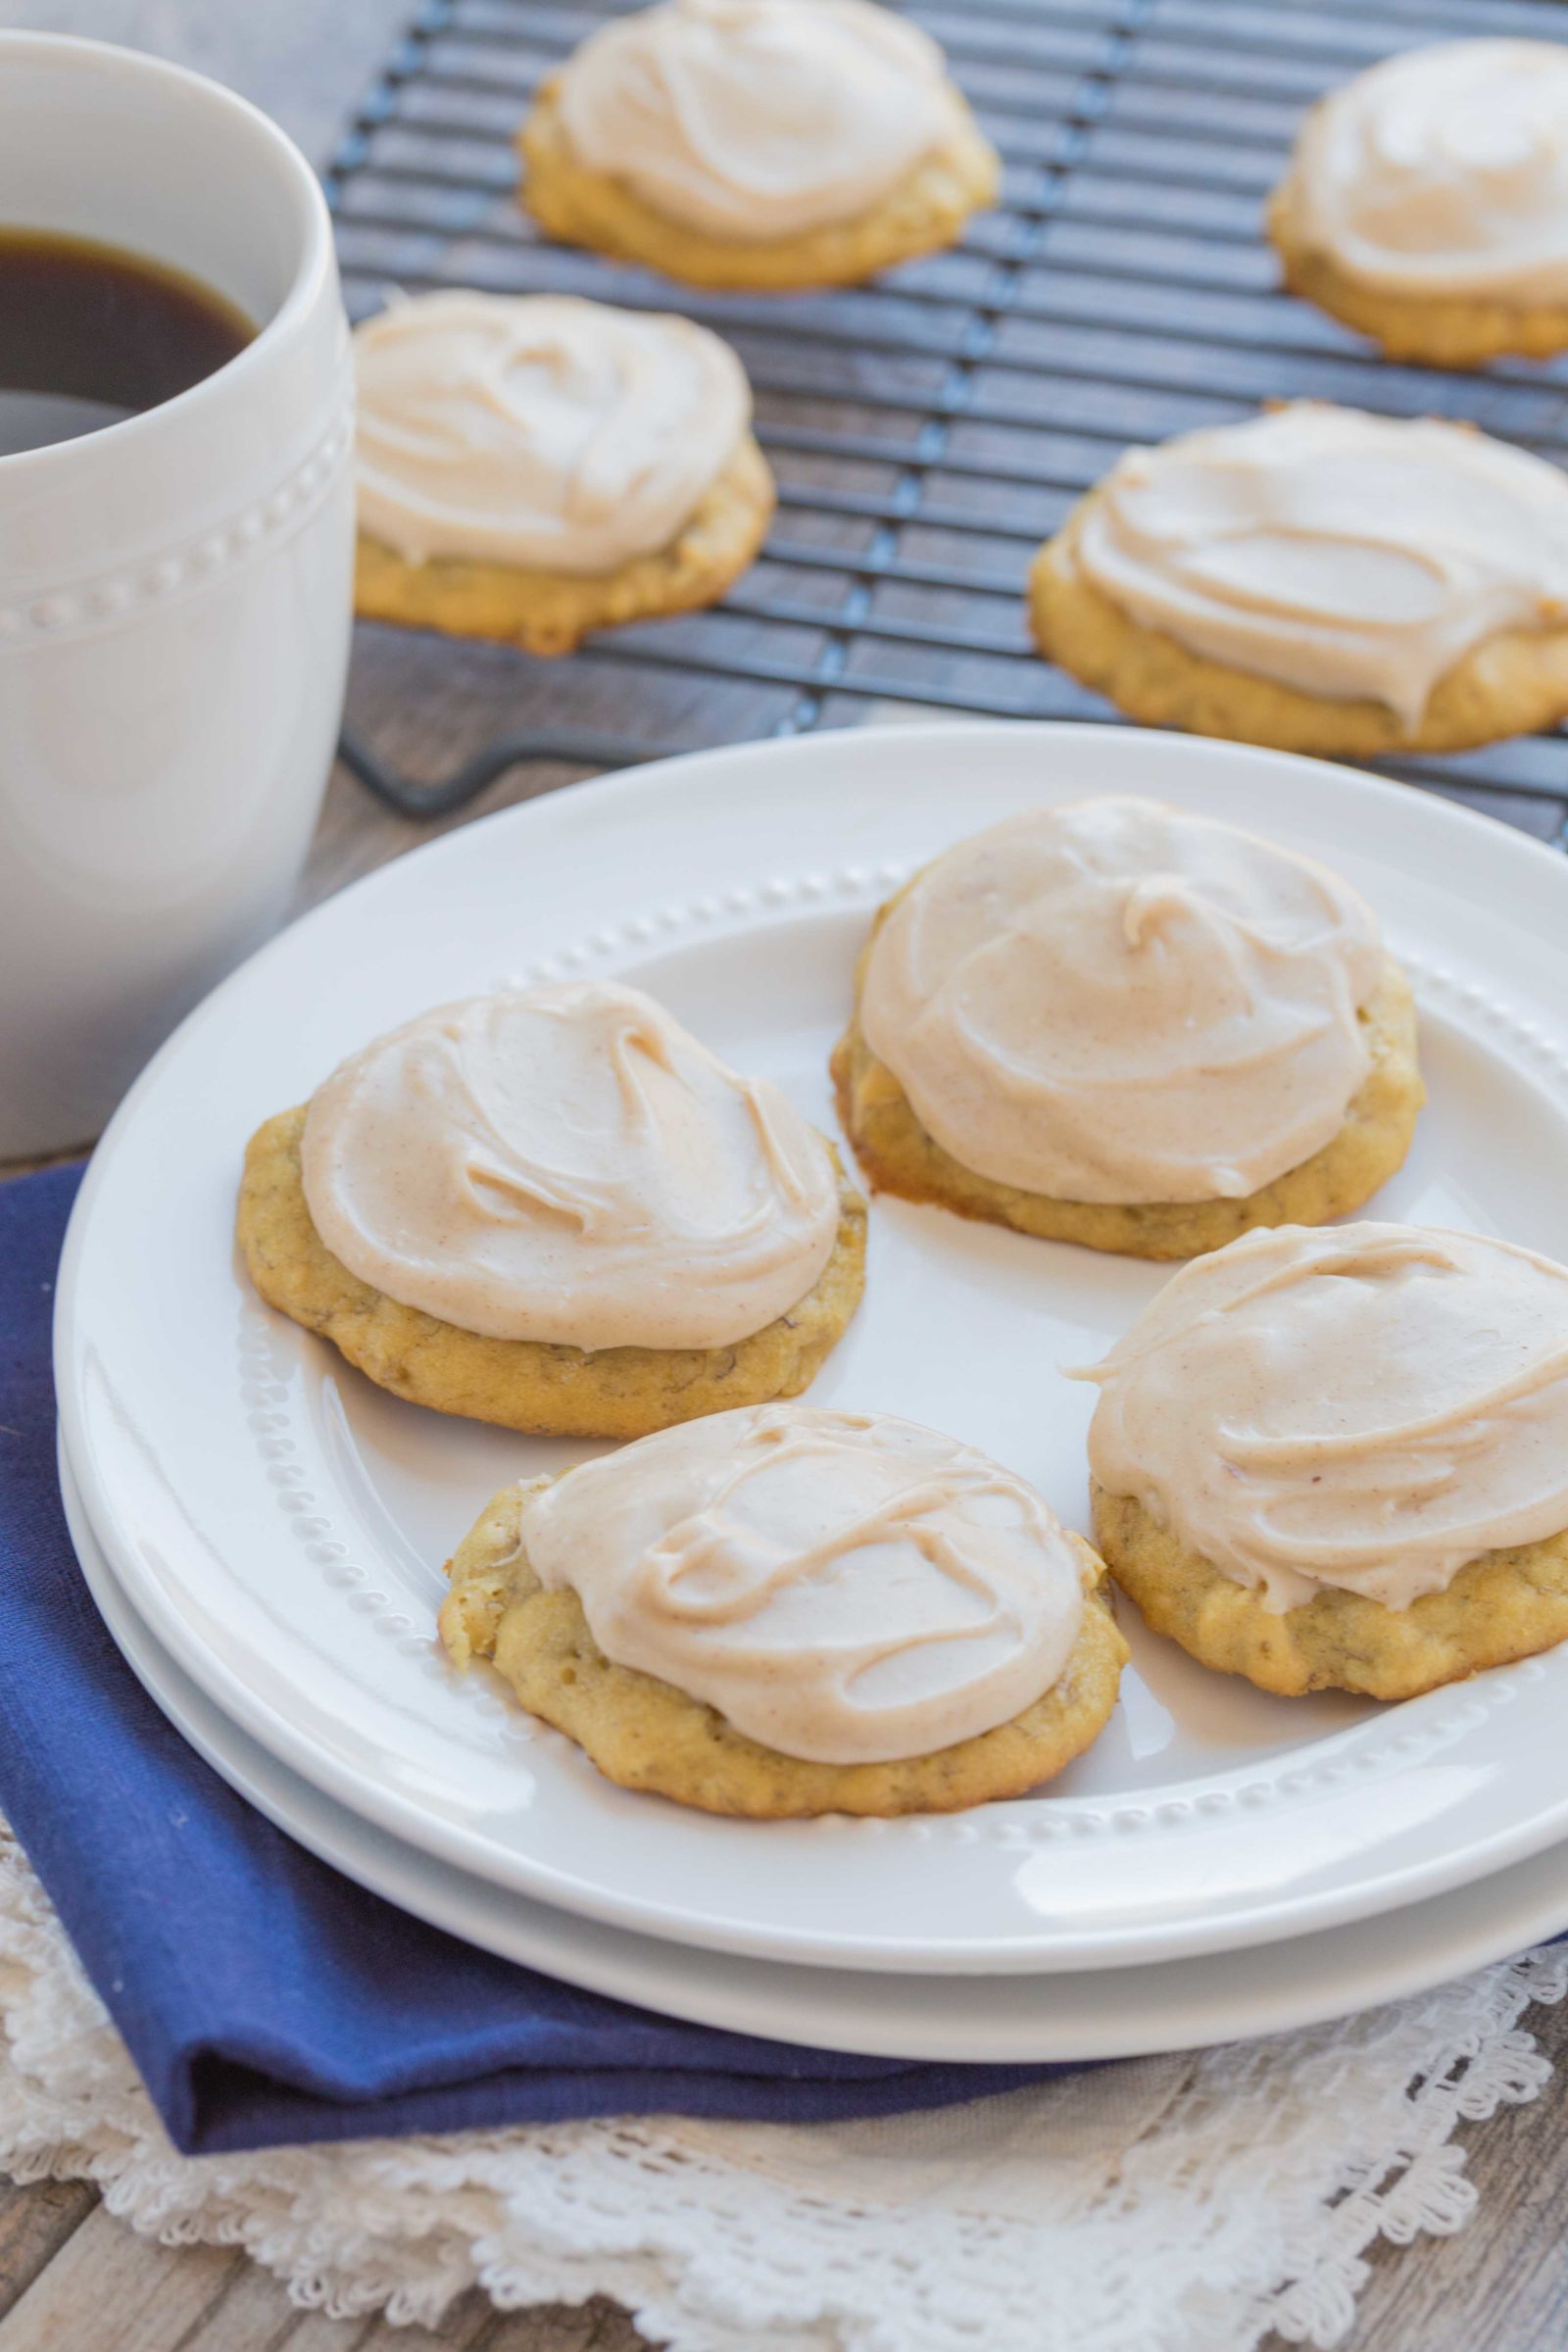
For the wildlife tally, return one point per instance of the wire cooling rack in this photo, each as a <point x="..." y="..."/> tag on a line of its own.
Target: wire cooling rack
<point x="930" y="430"/>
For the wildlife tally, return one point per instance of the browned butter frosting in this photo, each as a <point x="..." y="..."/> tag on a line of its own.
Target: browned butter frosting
<point x="757" y="119"/>
<point x="1368" y="1406"/>
<point x="1115" y="1000"/>
<point x="569" y="1164"/>
<point x="538" y="431"/>
<point x="1347" y="556"/>
<point x="842" y="1586"/>
<point x="1444" y="173"/>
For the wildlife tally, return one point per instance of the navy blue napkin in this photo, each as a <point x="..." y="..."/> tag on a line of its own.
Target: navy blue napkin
<point x="266" y="1998"/>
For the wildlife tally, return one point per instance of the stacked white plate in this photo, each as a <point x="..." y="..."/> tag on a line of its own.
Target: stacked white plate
<point x="264" y="1531"/>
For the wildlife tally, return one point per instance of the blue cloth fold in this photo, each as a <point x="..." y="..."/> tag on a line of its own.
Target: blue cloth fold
<point x="266" y="1998"/>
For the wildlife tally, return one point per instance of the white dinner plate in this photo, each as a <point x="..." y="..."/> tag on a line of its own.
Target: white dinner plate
<point x="280" y="1522"/>
<point x="1170" y="2005"/>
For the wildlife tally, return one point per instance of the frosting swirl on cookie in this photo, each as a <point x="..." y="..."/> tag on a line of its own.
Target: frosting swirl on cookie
<point x="538" y="431"/>
<point x="1346" y="556"/>
<point x="1113" y="1001"/>
<point x="1367" y="1408"/>
<point x="569" y="1164"/>
<point x="842" y="1586"/>
<point x="757" y="119"/>
<point x="1444" y="173"/>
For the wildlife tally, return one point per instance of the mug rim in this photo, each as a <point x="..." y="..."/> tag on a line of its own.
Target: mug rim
<point x="312" y="271"/>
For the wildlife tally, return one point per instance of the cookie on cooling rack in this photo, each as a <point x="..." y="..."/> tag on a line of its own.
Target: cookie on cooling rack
<point x="555" y="1210"/>
<point x="1319" y="580"/>
<point x="757" y="143"/>
<point x="786" y="1612"/>
<point x="1339" y="1460"/>
<point x="1114" y="1023"/>
<point x="1426" y="203"/>
<point x="533" y="467"/>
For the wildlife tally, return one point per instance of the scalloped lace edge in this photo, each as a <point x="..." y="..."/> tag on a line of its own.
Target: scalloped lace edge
<point x="1186" y="2204"/>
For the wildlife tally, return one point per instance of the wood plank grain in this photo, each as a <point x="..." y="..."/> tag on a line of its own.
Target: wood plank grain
<point x="314" y="2332"/>
<point x="108" y="2290"/>
<point x="1501" y="2285"/>
<point x="253" y="2314"/>
<point x="468" y="2325"/>
<point x="34" y="2224"/>
<point x="596" y="2326"/>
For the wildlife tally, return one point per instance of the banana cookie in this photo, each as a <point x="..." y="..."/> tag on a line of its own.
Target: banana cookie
<point x="554" y="1209"/>
<point x="1114" y="1023"/>
<point x="531" y="467"/>
<point x="1340" y="1460"/>
<point x="766" y="144"/>
<point x="1319" y="580"/>
<point x="787" y="1611"/>
<point x="1426" y="203"/>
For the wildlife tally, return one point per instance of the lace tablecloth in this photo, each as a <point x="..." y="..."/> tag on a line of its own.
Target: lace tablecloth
<point x="1186" y="2204"/>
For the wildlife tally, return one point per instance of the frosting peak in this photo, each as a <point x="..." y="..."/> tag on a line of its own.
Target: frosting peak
<point x="1444" y="173"/>
<point x="1344" y="555"/>
<point x="757" y="119"/>
<point x="1113" y="1001"/>
<point x="842" y="1586"/>
<point x="569" y="1164"/>
<point x="538" y="429"/>
<point x="1367" y="1407"/>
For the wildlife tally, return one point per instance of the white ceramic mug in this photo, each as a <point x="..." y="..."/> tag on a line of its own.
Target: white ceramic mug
<point x="175" y="590"/>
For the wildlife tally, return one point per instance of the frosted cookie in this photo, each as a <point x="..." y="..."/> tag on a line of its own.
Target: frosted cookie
<point x="556" y="1210"/>
<point x="788" y="1611"/>
<point x="1426" y="203"/>
<point x="1319" y="580"/>
<point x="1340" y="1460"/>
<point x="1117" y="1024"/>
<point x="761" y="143"/>
<point x="531" y="467"/>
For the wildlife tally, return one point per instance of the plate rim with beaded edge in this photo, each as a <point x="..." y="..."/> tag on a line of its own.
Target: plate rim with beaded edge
<point x="1091" y="2015"/>
<point x="280" y="1524"/>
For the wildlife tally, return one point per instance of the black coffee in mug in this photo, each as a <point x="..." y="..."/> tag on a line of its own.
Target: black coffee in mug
<point x="90" y="335"/>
